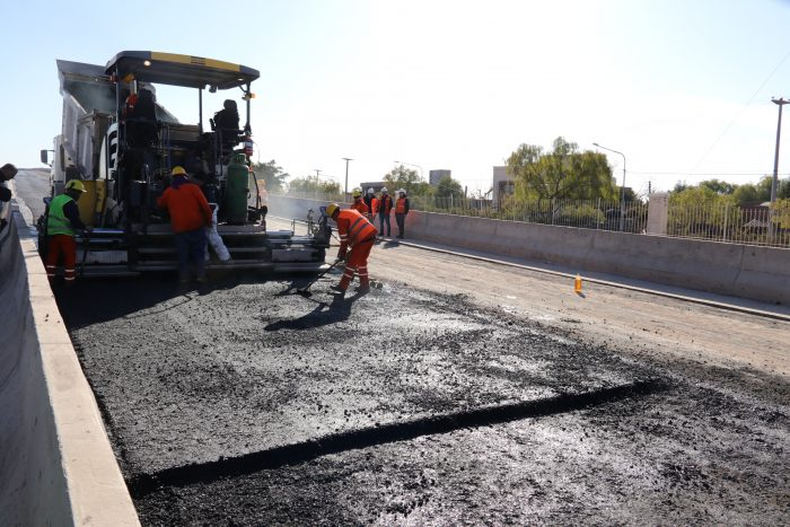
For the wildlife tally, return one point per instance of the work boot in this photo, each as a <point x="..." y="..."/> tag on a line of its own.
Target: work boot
<point x="362" y="290"/>
<point x="337" y="290"/>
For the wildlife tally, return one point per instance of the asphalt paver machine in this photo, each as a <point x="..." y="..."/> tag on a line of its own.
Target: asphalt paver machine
<point x="122" y="143"/>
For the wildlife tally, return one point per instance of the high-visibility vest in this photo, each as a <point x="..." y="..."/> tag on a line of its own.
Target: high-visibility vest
<point x="360" y="206"/>
<point x="400" y="206"/>
<point x="386" y="203"/>
<point x="354" y="228"/>
<point x="57" y="222"/>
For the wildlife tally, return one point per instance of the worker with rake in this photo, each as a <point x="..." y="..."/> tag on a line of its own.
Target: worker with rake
<point x="359" y="234"/>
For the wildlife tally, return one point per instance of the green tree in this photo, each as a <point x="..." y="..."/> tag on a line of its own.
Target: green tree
<point x="781" y="213"/>
<point x="719" y="186"/>
<point x="314" y="184"/>
<point x="448" y="187"/>
<point x="562" y="173"/>
<point x="746" y="193"/>
<point x="699" y="211"/>
<point x="409" y="180"/>
<point x="764" y="188"/>
<point x="272" y="175"/>
<point x="783" y="192"/>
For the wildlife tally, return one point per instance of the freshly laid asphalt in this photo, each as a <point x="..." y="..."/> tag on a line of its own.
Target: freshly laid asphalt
<point x="244" y="403"/>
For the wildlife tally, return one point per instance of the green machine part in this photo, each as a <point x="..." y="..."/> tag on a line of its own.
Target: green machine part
<point x="237" y="190"/>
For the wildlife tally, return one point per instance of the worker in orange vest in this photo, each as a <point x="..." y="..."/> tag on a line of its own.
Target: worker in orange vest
<point x="358" y="204"/>
<point x="372" y="202"/>
<point x="401" y="210"/>
<point x="384" y="209"/>
<point x="359" y="234"/>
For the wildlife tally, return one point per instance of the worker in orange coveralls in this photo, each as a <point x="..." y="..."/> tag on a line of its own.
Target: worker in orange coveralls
<point x="359" y="234"/>
<point x="358" y="204"/>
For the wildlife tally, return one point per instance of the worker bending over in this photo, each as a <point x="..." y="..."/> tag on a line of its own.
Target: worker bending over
<point x="359" y="234"/>
<point x="63" y="220"/>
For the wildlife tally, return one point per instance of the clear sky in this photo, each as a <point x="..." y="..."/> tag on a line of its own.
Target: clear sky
<point x="683" y="88"/>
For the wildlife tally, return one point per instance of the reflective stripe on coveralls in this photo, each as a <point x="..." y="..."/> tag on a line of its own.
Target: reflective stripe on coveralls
<point x="357" y="231"/>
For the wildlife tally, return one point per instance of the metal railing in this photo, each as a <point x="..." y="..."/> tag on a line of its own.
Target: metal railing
<point x="728" y="223"/>
<point x="584" y="214"/>
<point x="722" y="222"/>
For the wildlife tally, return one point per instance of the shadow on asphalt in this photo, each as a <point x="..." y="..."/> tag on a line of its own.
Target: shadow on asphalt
<point x="323" y="315"/>
<point x="388" y="244"/>
<point x="95" y="300"/>
<point x="273" y="458"/>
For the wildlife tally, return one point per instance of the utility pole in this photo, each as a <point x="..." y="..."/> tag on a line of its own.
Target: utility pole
<point x="774" y="182"/>
<point x="345" y="189"/>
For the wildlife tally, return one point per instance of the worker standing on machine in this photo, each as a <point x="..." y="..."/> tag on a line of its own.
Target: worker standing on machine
<point x="189" y="215"/>
<point x="63" y="220"/>
<point x="358" y="233"/>
<point x="359" y="204"/>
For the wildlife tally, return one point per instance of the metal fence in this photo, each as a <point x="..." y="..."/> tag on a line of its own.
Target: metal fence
<point x="584" y="214"/>
<point x="727" y="222"/>
<point x="720" y="222"/>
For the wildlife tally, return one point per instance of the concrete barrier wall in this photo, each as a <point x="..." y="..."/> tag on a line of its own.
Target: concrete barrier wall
<point x="56" y="463"/>
<point x="757" y="273"/>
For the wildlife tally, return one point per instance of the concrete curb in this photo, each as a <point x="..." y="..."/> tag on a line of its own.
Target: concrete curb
<point x="64" y="471"/>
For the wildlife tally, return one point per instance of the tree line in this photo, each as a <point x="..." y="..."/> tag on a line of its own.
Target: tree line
<point x="563" y="172"/>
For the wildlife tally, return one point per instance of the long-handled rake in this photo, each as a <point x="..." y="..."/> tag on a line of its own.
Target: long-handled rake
<point x="304" y="291"/>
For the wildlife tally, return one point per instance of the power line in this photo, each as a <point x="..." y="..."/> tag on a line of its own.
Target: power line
<point x="738" y="115"/>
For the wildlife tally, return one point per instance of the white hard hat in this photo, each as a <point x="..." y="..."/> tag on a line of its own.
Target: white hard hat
<point x="384" y="189"/>
<point x="370" y="190"/>
<point x="402" y="191"/>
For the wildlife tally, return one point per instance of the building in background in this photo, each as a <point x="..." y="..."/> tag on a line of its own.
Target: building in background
<point x="435" y="176"/>
<point x="504" y="185"/>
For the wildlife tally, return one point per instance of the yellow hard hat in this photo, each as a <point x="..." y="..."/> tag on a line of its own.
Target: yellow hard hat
<point x="75" y="184"/>
<point x="356" y="193"/>
<point x="331" y="209"/>
<point x="178" y="171"/>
